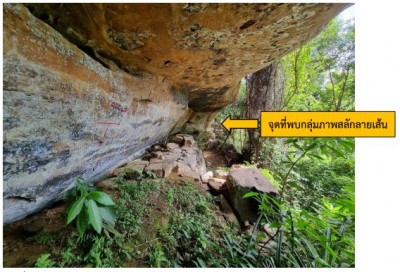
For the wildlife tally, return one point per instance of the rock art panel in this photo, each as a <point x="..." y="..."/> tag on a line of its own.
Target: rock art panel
<point x="65" y="115"/>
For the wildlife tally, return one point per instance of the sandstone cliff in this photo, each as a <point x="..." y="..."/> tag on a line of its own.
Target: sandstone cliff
<point x="89" y="86"/>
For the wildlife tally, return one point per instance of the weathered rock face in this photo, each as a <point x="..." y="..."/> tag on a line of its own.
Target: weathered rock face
<point x="242" y="180"/>
<point x="65" y="115"/>
<point x="104" y="81"/>
<point x="204" y="49"/>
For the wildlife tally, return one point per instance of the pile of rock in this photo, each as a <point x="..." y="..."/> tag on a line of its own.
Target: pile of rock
<point x="215" y="184"/>
<point x="180" y="156"/>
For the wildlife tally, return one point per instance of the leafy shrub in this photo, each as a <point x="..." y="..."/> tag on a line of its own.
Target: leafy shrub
<point x="91" y="208"/>
<point x="157" y="256"/>
<point x="44" y="262"/>
<point x="321" y="237"/>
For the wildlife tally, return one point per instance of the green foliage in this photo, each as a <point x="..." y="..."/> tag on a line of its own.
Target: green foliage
<point x="321" y="179"/>
<point x="319" y="235"/>
<point x="323" y="240"/>
<point x="150" y="175"/>
<point x="269" y="176"/>
<point x="91" y="209"/>
<point x="44" y="262"/>
<point x="320" y="75"/>
<point x="195" y="237"/>
<point x="157" y="256"/>
<point x="322" y="172"/>
<point x="47" y="238"/>
<point x="120" y="241"/>
<point x="236" y="110"/>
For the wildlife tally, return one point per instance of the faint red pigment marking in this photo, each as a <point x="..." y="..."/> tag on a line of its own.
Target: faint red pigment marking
<point x="118" y="107"/>
<point x="101" y="141"/>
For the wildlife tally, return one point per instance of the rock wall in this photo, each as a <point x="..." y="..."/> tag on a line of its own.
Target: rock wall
<point x="204" y="49"/>
<point x="65" y="115"/>
<point x="97" y="83"/>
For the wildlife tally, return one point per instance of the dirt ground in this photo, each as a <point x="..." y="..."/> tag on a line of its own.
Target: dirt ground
<point x="22" y="240"/>
<point x="215" y="158"/>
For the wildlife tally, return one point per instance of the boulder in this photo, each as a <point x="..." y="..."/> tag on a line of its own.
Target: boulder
<point x="185" y="162"/>
<point x="205" y="177"/>
<point x="184" y="170"/>
<point x="167" y="167"/>
<point x="156" y="160"/>
<point x="178" y="138"/>
<point x="227" y="211"/>
<point x="176" y="151"/>
<point x="117" y="172"/>
<point x="190" y="150"/>
<point x="221" y="174"/>
<point x="188" y="140"/>
<point x="137" y="165"/>
<point x="217" y="180"/>
<point x="162" y="168"/>
<point x="172" y="146"/>
<point x="146" y="156"/>
<point x="156" y="168"/>
<point x="270" y="231"/>
<point x="241" y="181"/>
<point x="216" y="187"/>
<point x="211" y="144"/>
<point x="204" y="187"/>
<point x="157" y="154"/>
<point x="107" y="184"/>
<point x="157" y="147"/>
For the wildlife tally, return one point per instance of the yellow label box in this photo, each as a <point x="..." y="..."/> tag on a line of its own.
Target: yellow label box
<point x="328" y="124"/>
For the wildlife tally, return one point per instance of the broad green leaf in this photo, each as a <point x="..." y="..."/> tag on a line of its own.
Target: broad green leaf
<point x="101" y="198"/>
<point x="82" y="222"/>
<point x="108" y="215"/>
<point x="75" y="209"/>
<point x="250" y="194"/>
<point x="94" y="215"/>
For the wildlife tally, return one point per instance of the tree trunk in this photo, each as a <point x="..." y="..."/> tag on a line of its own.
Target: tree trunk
<point x="264" y="93"/>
